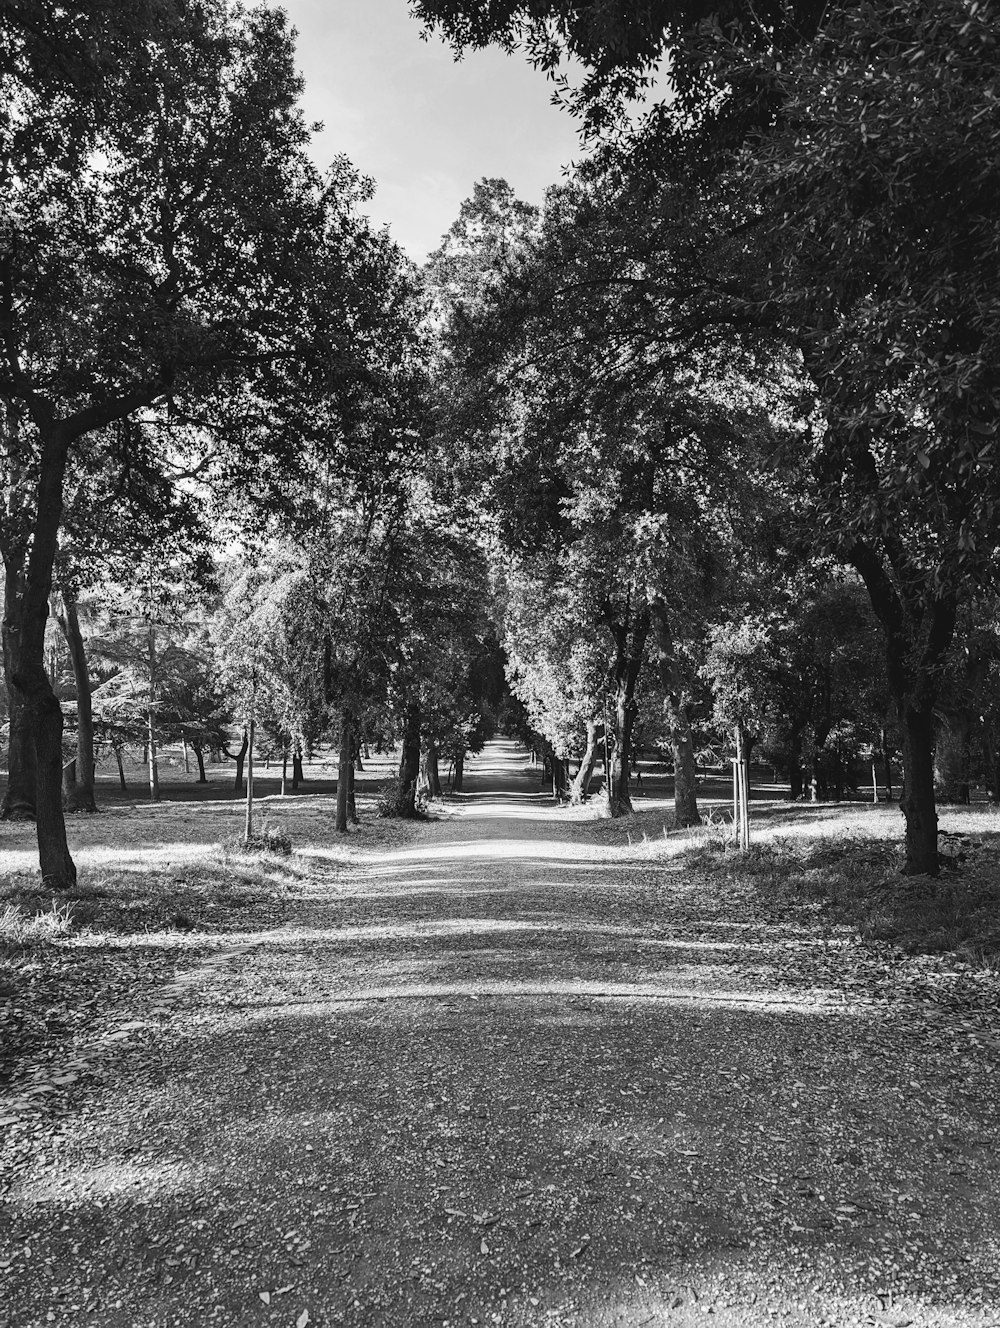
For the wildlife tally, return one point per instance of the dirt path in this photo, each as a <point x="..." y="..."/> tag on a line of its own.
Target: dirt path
<point x="500" y="1076"/>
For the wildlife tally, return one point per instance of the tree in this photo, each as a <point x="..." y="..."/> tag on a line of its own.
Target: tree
<point x="246" y="303"/>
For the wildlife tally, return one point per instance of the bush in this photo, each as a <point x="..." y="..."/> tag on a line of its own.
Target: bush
<point x="265" y="839"/>
<point x="390" y="800"/>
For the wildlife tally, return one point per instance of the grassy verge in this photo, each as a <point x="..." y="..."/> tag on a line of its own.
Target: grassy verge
<point x="844" y="863"/>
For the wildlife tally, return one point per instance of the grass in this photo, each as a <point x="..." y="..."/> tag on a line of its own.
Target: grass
<point x="845" y="862"/>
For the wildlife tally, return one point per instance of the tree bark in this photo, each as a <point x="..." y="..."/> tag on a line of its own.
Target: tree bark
<point x="409" y="761"/>
<point x="352" y="806"/>
<point x="79" y="790"/>
<point x="580" y="787"/>
<point x="28" y="677"/>
<point x="344" y="769"/>
<point x="430" y="771"/>
<point x="121" y="766"/>
<point x="284" y="772"/>
<point x="239" y="757"/>
<point x="456" y="784"/>
<point x="560" y="778"/>
<point x="19" y="798"/>
<point x="681" y="741"/>
<point x="297" y="776"/>
<point x="200" y="758"/>
<point x="917" y="802"/>
<point x="629" y="650"/>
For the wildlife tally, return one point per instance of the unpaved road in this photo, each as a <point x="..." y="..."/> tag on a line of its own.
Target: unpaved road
<point x="502" y="1076"/>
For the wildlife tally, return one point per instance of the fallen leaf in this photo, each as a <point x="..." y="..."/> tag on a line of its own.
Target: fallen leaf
<point x="265" y="1296"/>
<point x="302" y="1320"/>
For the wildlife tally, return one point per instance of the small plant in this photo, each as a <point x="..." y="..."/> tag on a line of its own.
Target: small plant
<point x="19" y="926"/>
<point x="388" y="802"/>
<point x="391" y="800"/>
<point x="265" y="839"/>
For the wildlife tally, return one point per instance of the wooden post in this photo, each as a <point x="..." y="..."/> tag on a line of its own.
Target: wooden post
<point x="736" y="796"/>
<point x="248" y="825"/>
<point x="742" y="771"/>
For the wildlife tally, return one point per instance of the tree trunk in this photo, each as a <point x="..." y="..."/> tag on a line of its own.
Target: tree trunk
<point x="121" y="767"/>
<point x="917" y="802"/>
<point x="409" y="762"/>
<point x="343" y="771"/>
<point x="560" y="778"/>
<point x="199" y="757"/>
<point x="430" y="774"/>
<point x="685" y="766"/>
<point x="79" y="790"/>
<point x="352" y="806"/>
<point x="19" y="798"/>
<point x="913" y="666"/>
<point x="154" y="769"/>
<point x="187" y="756"/>
<point x="239" y="757"/>
<point x="793" y="769"/>
<point x="248" y="820"/>
<point x="297" y="776"/>
<point x="681" y="741"/>
<point x="459" y="773"/>
<point x="628" y="663"/>
<point x="580" y="787"/>
<point x="284" y="772"/>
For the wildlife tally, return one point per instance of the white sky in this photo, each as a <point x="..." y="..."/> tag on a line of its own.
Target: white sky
<point x="424" y="127"/>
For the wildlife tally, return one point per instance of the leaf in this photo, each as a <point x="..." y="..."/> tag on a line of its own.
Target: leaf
<point x="265" y="1296"/>
<point x="302" y="1320"/>
<point x="483" y="1247"/>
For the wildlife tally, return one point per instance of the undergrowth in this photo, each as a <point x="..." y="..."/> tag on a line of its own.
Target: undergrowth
<point x="857" y="880"/>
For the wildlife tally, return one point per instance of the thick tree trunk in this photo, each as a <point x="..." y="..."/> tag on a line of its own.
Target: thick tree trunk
<point x="685" y="766"/>
<point x="344" y="770"/>
<point x="200" y="758"/>
<point x="681" y="741"/>
<point x="917" y="803"/>
<point x="79" y="791"/>
<point x="456" y="784"/>
<point x="630" y="648"/>
<point x="580" y="787"/>
<point x="19" y="798"/>
<point x="409" y="761"/>
<point x="914" y="661"/>
<point x="430" y="773"/>
<point x="26" y="625"/>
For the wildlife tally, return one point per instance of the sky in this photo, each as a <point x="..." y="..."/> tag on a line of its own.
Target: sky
<point x="424" y="127"/>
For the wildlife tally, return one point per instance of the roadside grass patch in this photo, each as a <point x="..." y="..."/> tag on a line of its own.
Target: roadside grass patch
<point x="848" y="866"/>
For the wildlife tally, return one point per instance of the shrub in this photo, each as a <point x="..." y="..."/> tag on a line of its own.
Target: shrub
<point x="390" y="800"/>
<point x="265" y="839"/>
